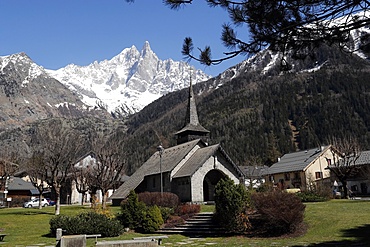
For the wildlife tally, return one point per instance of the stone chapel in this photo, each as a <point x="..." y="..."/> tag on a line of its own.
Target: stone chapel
<point x="191" y="169"/>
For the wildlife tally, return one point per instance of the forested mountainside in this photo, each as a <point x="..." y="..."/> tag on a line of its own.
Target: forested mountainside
<point x="257" y="116"/>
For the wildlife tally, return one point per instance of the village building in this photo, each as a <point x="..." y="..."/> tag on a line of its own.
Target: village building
<point x="191" y="169"/>
<point x="302" y="169"/>
<point x="358" y="181"/>
<point x="254" y="176"/>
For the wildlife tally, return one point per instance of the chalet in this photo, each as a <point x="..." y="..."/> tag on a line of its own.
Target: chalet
<point x="254" y="175"/>
<point x="359" y="183"/>
<point x="191" y="169"/>
<point x="301" y="169"/>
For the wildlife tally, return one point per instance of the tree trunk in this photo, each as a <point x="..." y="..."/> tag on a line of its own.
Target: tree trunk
<point x="40" y="197"/>
<point x="83" y="194"/>
<point x="93" y="201"/>
<point x="57" y="203"/>
<point x="345" y="189"/>
<point x="104" y="199"/>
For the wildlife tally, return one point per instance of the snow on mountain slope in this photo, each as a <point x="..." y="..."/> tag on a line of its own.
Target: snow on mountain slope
<point x="129" y="81"/>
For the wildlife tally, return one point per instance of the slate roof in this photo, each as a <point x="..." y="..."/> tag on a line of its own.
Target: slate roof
<point x="254" y="171"/>
<point x="364" y="158"/>
<point x="297" y="161"/>
<point x="18" y="184"/>
<point x="170" y="158"/>
<point x="196" y="161"/>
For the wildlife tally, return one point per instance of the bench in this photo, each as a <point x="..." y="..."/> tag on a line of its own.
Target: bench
<point x="127" y="243"/>
<point x="152" y="238"/>
<point x="2" y="236"/>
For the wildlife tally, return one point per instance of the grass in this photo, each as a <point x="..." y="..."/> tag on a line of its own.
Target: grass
<point x="332" y="223"/>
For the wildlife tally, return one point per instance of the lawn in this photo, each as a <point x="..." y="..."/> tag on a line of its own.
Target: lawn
<point x="332" y="223"/>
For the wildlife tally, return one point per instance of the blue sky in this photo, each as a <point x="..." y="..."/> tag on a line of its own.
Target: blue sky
<point x="59" y="32"/>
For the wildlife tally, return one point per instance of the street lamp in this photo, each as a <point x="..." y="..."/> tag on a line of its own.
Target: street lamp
<point x="160" y="150"/>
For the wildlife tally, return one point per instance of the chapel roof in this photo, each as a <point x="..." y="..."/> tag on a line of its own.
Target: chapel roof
<point x="171" y="157"/>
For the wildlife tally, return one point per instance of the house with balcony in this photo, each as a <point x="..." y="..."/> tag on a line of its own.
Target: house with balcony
<point x="302" y="169"/>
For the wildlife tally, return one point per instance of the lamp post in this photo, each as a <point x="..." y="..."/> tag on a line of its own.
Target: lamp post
<point x="160" y="150"/>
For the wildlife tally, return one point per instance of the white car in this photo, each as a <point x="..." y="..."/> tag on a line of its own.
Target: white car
<point x="35" y="203"/>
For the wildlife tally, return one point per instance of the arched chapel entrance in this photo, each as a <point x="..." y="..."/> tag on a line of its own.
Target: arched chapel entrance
<point x="209" y="184"/>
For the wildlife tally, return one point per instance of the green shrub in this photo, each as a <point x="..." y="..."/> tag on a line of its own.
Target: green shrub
<point x="136" y="215"/>
<point x="232" y="202"/>
<point x="310" y="196"/>
<point x="86" y="223"/>
<point x="152" y="220"/>
<point x="166" y="213"/>
<point x="281" y="212"/>
<point x="132" y="211"/>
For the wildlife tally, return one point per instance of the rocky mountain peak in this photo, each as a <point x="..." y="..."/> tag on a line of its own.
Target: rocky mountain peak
<point x="129" y="81"/>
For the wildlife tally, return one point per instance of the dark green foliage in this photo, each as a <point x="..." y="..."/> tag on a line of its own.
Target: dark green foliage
<point x="166" y="213"/>
<point x="86" y="223"/>
<point x="309" y="196"/>
<point x="281" y="212"/>
<point x="152" y="220"/>
<point x="136" y="215"/>
<point x="232" y="202"/>
<point x="132" y="211"/>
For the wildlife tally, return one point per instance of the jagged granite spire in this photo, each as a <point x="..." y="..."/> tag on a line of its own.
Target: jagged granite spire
<point x="192" y="128"/>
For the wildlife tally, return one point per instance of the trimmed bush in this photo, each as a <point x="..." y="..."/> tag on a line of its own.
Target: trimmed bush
<point x="232" y="202"/>
<point x="136" y="215"/>
<point x="132" y="211"/>
<point x="281" y="212"/>
<point x="187" y="209"/>
<point x="152" y="219"/>
<point x="166" y="199"/>
<point x="174" y="220"/>
<point x="309" y="196"/>
<point x="86" y="223"/>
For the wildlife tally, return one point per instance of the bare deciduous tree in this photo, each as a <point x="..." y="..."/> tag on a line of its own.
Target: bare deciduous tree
<point x="8" y="166"/>
<point x="82" y="176"/>
<point x="346" y="152"/>
<point x="35" y="168"/>
<point x="110" y="163"/>
<point x="59" y="145"/>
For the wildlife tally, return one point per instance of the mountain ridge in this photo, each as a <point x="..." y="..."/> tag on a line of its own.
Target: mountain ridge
<point x="128" y="81"/>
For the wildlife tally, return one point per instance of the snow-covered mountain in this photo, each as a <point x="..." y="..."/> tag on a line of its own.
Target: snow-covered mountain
<point x="267" y="62"/>
<point x="28" y="93"/>
<point x="129" y="81"/>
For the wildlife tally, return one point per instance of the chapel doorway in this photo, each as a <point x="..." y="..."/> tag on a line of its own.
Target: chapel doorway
<point x="209" y="184"/>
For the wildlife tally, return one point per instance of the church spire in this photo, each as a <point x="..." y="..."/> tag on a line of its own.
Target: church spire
<point x="192" y="128"/>
<point x="191" y="111"/>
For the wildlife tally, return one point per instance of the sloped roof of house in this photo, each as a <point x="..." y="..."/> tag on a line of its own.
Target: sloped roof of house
<point x="297" y="161"/>
<point x="364" y="158"/>
<point x="254" y="171"/>
<point x="170" y="158"/>
<point x="18" y="184"/>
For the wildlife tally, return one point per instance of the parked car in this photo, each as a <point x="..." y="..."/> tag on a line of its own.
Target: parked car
<point x="51" y="202"/>
<point x="35" y="203"/>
